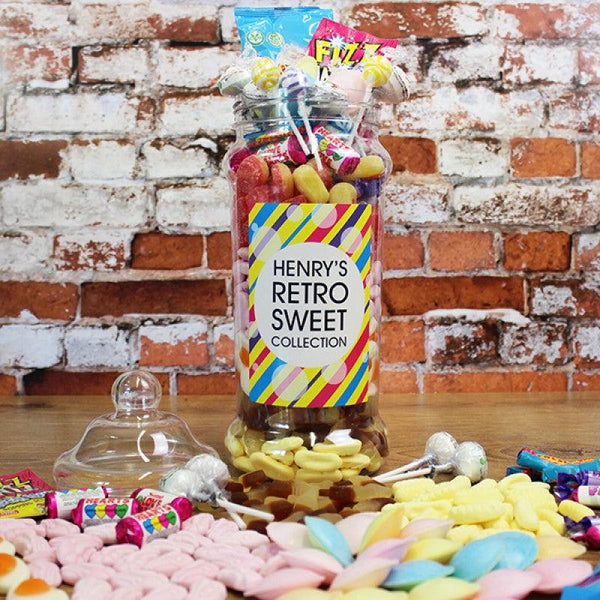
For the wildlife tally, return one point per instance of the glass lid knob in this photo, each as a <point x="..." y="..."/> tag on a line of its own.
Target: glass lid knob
<point x="136" y="391"/>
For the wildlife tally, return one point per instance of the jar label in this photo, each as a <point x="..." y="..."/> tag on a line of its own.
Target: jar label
<point x="309" y="304"/>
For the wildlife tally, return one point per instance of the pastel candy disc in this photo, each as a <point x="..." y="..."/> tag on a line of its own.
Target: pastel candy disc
<point x="327" y="537"/>
<point x="448" y="588"/>
<point x="508" y="582"/>
<point x="520" y="550"/>
<point x="557" y="573"/>
<point x="410" y="574"/>
<point x="477" y="558"/>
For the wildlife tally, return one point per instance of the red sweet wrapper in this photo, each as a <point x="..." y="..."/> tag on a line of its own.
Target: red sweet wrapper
<point x="22" y="494"/>
<point x="334" y="44"/>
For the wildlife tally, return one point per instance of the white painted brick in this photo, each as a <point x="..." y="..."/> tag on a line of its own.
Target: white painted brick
<point x="35" y="21"/>
<point x="120" y="65"/>
<point x="587" y="342"/>
<point x="473" y="158"/>
<point x="552" y="300"/>
<point x="88" y="112"/>
<point x="101" y="159"/>
<point x="475" y="61"/>
<point x="522" y="113"/>
<point x="415" y="203"/>
<point x="174" y="334"/>
<point x="193" y="67"/>
<point x="589" y="65"/>
<point x="93" y="249"/>
<point x="523" y="205"/>
<point x="537" y="343"/>
<point x="188" y="115"/>
<point x="50" y="204"/>
<point x="194" y="208"/>
<point x="537" y="63"/>
<point x="166" y="160"/>
<point x="576" y="111"/>
<point x="30" y="346"/>
<point x="24" y="252"/>
<point x="229" y="31"/>
<point x="97" y="347"/>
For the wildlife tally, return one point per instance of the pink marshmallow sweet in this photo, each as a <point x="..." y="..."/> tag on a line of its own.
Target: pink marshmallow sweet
<point x="127" y="593"/>
<point x="273" y="564"/>
<point x="282" y="581"/>
<point x="199" y="569"/>
<point x="187" y="541"/>
<point x="169" y="591"/>
<point x="169" y="563"/>
<point x="48" y="571"/>
<point x="199" y="524"/>
<point x="145" y="580"/>
<point x="221" y="528"/>
<point x="207" y="590"/>
<point x="315" y="560"/>
<point x="249" y="539"/>
<point x="59" y="527"/>
<point x="107" y="532"/>
<point x="91" y="588"/>
<point x="72" y="573"/>
<point x="240" y="579"/>
<point x="113" y="555"/>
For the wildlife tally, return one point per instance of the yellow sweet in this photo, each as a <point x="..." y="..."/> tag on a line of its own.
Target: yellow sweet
<point x="309" y="184"/>
<point x="510" y="480"/>
<point x="345" y="449"/>
<point x="347" y="473"/>
<point x="310" y="594"/>
<point x="317" y="461"/>
<point x="478" y="495"/>
<point x="546" y="529"/>
<point x="376" y="69"/>
<point x="243" y="464"/>
<point x="283" y="456"/>
<point x="526" y="515"/>
<point x="469" y="514"/>
<point x="463" y="534"/>
<point x="233" y="445"/>
<point x="421" y="510"/>
<point x="485" y="484"/>
<point x="342" y="193"/>
<point x="358" y="461"/>
<point x="265" y="73"/>
<point x="312" y="476"/>
<point x="411" y="488"/>
<point x="369" y="167"/>
<point x="540" y="498"/>
<point x="553" y="546"/>
<point x="438" y="549"/>
<point x="554" y="519"/>
<point x="271" y="468"/>
<point x="574" y="510"/>
<point x="385" y="525"/>
<point x="444" y="588"/>
<point x="373" y="594"/>
<point x="290" y="443"/>
<point x="500" y="524"/>
<point x="309" y="65"/>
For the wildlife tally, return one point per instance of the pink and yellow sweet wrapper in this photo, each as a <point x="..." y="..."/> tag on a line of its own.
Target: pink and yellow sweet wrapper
<point x="22" y="494"/>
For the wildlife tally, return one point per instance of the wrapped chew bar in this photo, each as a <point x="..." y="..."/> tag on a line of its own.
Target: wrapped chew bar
<point x="307" y="173"/>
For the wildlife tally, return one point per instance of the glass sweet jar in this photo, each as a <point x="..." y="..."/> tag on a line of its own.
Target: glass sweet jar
<point x="306" y="176"/>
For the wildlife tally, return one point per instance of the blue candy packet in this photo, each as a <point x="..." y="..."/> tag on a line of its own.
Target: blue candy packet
<point x="267" y="30"/>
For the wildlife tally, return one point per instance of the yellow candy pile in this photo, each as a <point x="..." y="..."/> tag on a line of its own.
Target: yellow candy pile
<point x="488" y="507"/>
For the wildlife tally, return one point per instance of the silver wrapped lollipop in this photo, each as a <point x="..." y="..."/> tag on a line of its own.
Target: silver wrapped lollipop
<point x="469" y="459"/>
<point x="439" y="449"/>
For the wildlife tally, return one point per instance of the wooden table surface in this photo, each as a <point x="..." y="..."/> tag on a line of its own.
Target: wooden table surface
<point x="34" y="430"/>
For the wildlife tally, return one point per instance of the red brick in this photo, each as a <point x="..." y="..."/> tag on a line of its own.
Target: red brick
<point x="44" y="300"/>
<point x="218" y="247"/>
<point x="564" y="298"/>
<point x="34" y="20"/>
<point x="201" y="297"/>
<point x="163" y="251"/>
<point x="398" y="382"/>
<point x="494" y="381"/>
<point x="427" y="19"/>
<point x="64" y="383"/>
<point x="590" y="160"/>
<point x="176" y="345"/>
<point x="208" y="384"/>
<point x="589" y="66"/>
<point x="224" y="346"/>
<point x="403" y="251"/>
<point x="416" y="295"/>
<point x="8" y="385"/>
<point x="543" y="157"/>
<point x="537" y="251"/>
<point x="412" y="154"/>
<point x="586" y="382"/>
<point x="461" y="250"/>
<point x="185" y="29"/>
<point x="22" y="160"/>
<point x="26" y="63"/>
<point x="75" y="254"/>
<point x="548" y="20"/>
<point x="462" y="343"/>
<point x="586" y="251"/>
<point x="402" y="341"/>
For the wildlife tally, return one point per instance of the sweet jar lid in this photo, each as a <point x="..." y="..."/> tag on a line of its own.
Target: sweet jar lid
<point x="132" y="447"/>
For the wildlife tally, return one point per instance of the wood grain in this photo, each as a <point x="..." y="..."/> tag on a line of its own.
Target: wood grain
<point x="35" y="430"/>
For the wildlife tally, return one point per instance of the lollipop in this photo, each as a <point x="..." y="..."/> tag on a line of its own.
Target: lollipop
<point x="376" y="71"/>
<point x="395" y="89"/>
<point x="469" y="459"/>
<point x="202" y="479"/>
<point x="439" y="449"/>
<point x="265" y="74"/>
<point x="232" y="82"/>
<point x="296" y="83"/>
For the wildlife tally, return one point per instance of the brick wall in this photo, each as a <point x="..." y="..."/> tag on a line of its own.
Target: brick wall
<point x="114" y="248"/>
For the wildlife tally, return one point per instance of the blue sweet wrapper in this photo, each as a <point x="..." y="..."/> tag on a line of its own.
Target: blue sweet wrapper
<point x="589" y="589"/>
<point x="550" y="466"/>
<point x="267" y="30"/>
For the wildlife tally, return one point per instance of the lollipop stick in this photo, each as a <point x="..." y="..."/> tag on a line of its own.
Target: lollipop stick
<point x="296" y="131"/>
<point x="237" y="519"/>
<point x="311" y="136"/>
<point x="387" y="478"/>
<point x="245" y="510"/>
<point x="414" y="464"/>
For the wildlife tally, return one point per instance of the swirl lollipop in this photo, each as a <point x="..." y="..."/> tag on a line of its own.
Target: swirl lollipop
<point x="376" y="71"/>
<point x="265" y="74"/>
<point x="469" y="460"/>
<point x="296" y="83"/>
<point x="439" y="449"/>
